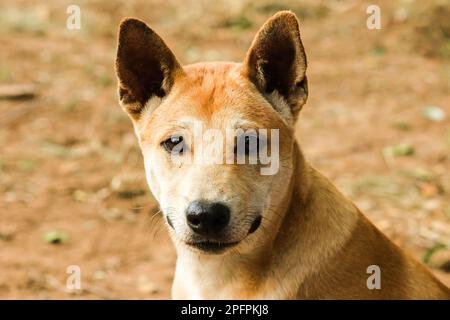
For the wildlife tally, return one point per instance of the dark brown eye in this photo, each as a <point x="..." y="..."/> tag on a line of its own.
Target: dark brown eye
<point x="248" y="145"/>
<point x="251" y="145"/>
<point x="174" y="144"/>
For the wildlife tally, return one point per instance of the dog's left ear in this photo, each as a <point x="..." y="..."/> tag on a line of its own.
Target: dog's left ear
<point x="276" y="62"/>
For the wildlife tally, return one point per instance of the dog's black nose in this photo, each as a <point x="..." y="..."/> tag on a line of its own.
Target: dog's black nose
<point x="207" y="218"/>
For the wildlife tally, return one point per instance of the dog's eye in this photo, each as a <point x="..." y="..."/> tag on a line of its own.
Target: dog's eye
<point x="248" y="144"/>
<point x="174" y="144"/>
<point x="251" y="145"/>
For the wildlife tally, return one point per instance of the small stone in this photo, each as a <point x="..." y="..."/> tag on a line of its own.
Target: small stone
<point x="434" y="113"/>
<point x="146" y="286"/>
<point x="100" y="275"/>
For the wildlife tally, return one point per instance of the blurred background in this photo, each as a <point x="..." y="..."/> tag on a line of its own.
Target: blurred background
<point x="72" y="186"/>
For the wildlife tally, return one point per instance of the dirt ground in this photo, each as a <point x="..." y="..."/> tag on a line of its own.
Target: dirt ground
<point x="377" y="123"/>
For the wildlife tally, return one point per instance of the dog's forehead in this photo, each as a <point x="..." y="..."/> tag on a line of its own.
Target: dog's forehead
<point x="218" y="91"/>
<point x="216" y="95"/>
<point x="203" y="72"/>
<point x="213" y="84"/>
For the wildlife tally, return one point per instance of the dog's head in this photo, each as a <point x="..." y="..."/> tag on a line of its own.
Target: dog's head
<point x="217" y="138"/>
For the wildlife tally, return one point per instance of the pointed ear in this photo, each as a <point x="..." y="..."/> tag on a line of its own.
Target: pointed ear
<point x="145" y="66"/>
<point x="276" y="63"/>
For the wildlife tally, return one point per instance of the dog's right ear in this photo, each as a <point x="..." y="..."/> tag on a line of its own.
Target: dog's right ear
<point x="276" y="63"/>
<point x="145" y="66"/>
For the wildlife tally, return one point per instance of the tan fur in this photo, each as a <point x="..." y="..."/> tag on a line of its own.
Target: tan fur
<point x="313" y="243"/>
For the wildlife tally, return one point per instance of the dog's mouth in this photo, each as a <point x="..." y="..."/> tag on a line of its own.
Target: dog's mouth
<point x="216" y="247"/>
<point x="212" y="246"/>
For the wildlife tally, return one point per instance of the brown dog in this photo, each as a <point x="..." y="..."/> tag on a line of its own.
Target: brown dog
<point x="239" y="233"/>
